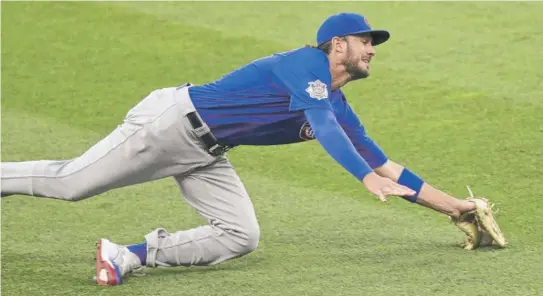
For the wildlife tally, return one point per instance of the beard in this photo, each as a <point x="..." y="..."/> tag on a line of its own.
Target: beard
<point x="351" y="67"/>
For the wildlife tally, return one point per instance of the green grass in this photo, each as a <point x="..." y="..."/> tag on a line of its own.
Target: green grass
<point x="455" y="95"/>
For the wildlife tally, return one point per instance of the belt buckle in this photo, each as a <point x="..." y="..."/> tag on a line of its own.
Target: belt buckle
<point x="217" y="149"/>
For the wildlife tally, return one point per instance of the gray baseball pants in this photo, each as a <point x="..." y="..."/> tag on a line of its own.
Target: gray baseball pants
<point x="155" y="141"/>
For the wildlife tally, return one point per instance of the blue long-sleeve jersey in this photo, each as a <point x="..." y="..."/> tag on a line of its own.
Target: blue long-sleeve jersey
<point x="287" y="98"/>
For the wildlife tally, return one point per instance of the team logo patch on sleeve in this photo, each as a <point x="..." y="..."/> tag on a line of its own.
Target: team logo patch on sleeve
<point x="306" y="132"/>
<point x="317" y="90"/>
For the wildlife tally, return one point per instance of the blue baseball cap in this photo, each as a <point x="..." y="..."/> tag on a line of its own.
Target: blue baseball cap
<point x="347" y="23"/>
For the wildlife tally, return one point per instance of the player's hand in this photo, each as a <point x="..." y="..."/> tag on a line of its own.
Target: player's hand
<point x="383" y="186"/>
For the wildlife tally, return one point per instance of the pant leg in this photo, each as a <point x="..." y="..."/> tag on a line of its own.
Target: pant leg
<point x="218" y="194"/>
<point x="154" y="141"/>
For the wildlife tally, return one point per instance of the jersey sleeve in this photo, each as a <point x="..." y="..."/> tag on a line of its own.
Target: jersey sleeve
<point x="334" y="140"/>
<point x="308" y="80"/>
<point x="366" y="147"/>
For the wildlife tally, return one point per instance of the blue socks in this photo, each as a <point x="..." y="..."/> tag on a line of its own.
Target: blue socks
<point x="141" y="251"/>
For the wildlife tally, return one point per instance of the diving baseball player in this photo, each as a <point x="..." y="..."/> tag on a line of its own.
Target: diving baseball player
<point x="183" y="132"/>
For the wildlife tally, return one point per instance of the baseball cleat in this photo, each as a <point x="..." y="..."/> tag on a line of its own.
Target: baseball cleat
<point x="113" y="262"/>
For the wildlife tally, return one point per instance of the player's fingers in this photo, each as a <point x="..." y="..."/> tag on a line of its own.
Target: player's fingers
<point x="392" y="188"/>
<point x="398" y="190"/>
<point x="382" y="196"/>
<point x="403" y="190"/>
<point x="407" y="191"/>
<point x="390" y="191"/>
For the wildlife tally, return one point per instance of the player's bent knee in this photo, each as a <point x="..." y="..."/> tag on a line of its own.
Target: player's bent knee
<point x="251" y="238"/>
<point x="252" y="242"/>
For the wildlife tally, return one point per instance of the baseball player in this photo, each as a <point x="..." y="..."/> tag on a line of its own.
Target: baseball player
<point x="184" y="132"/>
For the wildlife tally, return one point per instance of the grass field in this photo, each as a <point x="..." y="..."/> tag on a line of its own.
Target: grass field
<point x="456" y="95"/>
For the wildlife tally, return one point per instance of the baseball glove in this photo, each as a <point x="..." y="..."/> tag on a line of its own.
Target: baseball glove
<point x="479" y="225"/>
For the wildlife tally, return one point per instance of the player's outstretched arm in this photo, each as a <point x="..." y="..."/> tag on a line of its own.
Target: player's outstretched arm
<point x="473" y="216"/>
<point x="428" y="195"/>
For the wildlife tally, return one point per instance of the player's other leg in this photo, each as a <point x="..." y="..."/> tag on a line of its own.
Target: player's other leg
<point x="153" y="142"/>
<point x="218" y="194"/>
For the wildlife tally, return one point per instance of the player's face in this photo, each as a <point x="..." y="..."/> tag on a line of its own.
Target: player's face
<point x="358" y="56"/>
